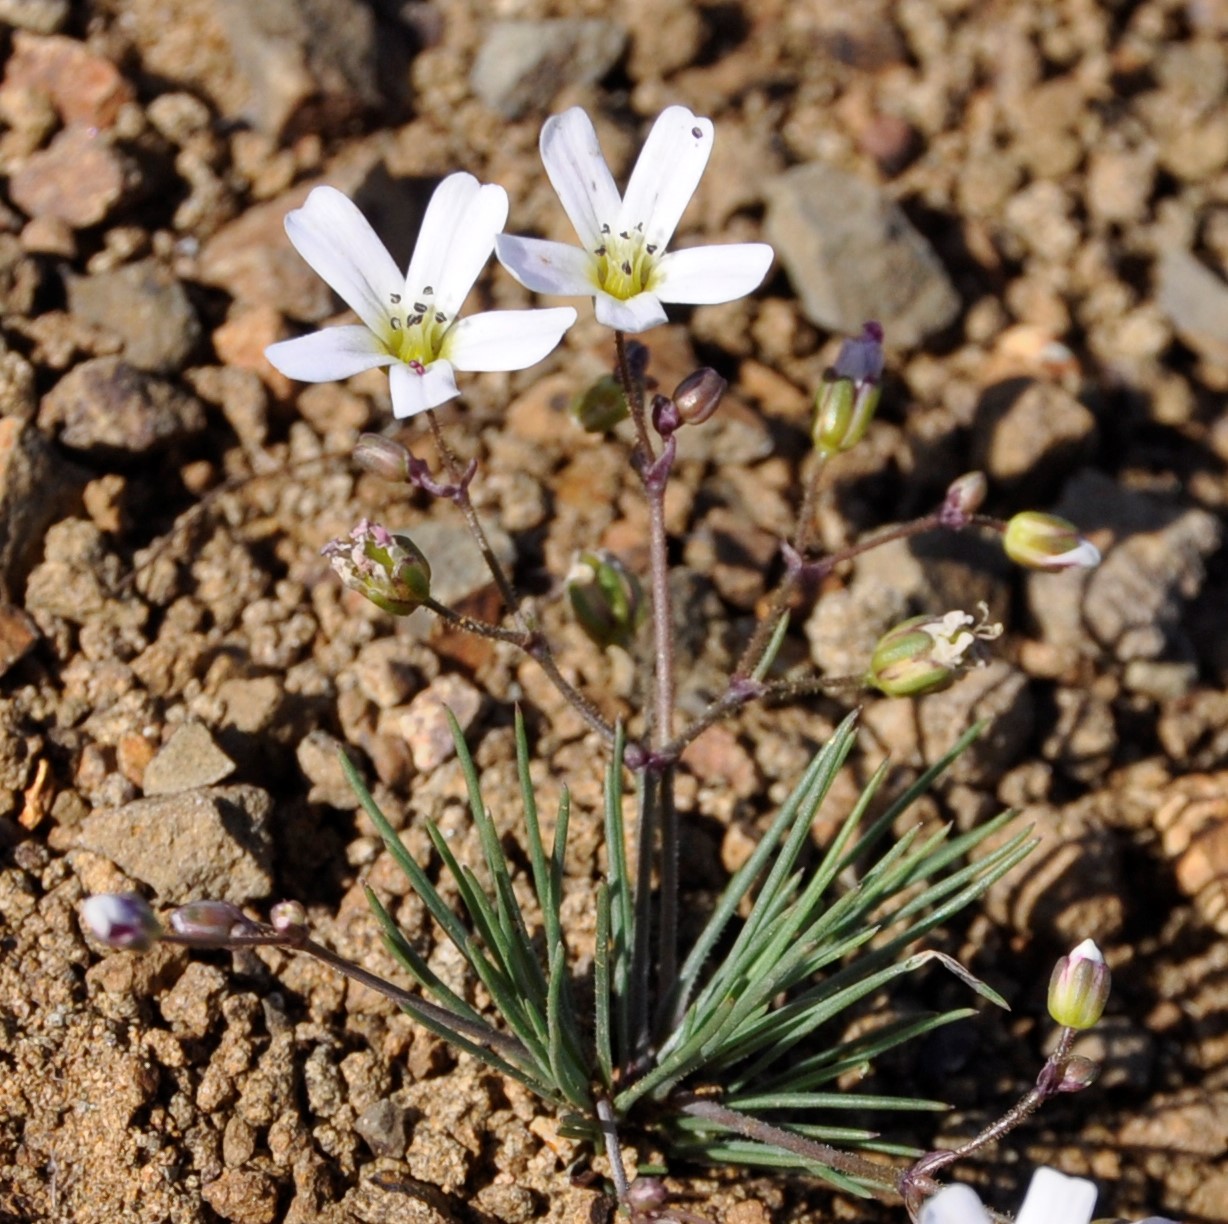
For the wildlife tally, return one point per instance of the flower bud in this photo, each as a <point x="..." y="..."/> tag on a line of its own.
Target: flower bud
<point x="287" y="915"/>
<point x="849" y="396"/>
<point x="216" y="920"/>
<point x="601" y="406"/>
<point x="382" y="456"/>
<point x="391" y="571"/>
<point x="966" y="494"/>
<point x="1079" y="1073"/>
<point x="699" y="395"/>
<point x="647" y="1194"/>
<point x="121" y="920"/>
<point x="1079" y="987"/>
<point x="606" y="598"/>
<point x="924" y="654"/>
<point x="1046" y="542"/>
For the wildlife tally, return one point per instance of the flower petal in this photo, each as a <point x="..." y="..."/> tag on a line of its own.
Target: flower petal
<point x="669" y="168"/>
<point x="703" y="276"/>
<point x="335" y="352"/>
<point x="954" y="1205"/>
<point x="548" y="267"/>
<point x="413" y="393"/>
<point x="455" y="241"/>
<point x="636" y="314"/>
<point x="333" y="236"/>
<point x="507" y="339"/>
<point x="579" y="174"/>
<point x="1055" y="1198"/>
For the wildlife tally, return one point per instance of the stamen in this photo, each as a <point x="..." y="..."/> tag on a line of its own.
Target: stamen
<point x="413" y="320"/>
<point x="428" y="292"/>
<point x="420" y="308"/>
<point x="626" y="267"/>
<point x="624" y="234"/>
<point x="396" y="298"/>
<point x="696" y="133"/>
<point x="651" y="248"/>
<point x="396" y="324"/>
<point x="416" y="366"/>
<point x="440" y="317"/>
<point x="600" y="250"/>
<point x="605" y="229"/>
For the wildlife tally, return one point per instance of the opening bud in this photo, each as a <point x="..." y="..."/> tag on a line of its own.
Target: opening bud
<point x="209" y="920"/>
<point x="1079" y="987"/>
<point x="121" y="920"/>
<point x="699" y="395"/>
<point x="848" y="399"/>
<point x="287" y="916"/>
<point x="966" y="494"/>
<point x="390" y="570"/>
<point x="1046" y="542"/>
<point x="606" y="597"/>
<point x="925" y="654"/>
<point x="382" y="456"/>
<point x="1079" y="1073"/>
<point x="599" y="408"/>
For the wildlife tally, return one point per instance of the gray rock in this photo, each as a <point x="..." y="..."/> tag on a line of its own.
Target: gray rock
<point x="382" y="1125"/>
<point x="852" y="255"/>
<point x="521" y="65"/>
<point x="1155" y="562"/>
<point x="146" y="307"/>
<point x="213" y="842"/>
<point x="36" y="488"/>
<point x="457" y="568"/>
<point x="188" y="760"/>
<point x="1195" y="301"/>
<point x="106" y="405"/>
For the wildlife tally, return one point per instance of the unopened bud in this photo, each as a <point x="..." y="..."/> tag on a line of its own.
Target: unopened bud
<point x="606" y="597"/>
<point x="1079" y="1073"/>
<point x="924" y="654"/>
<point x="599" y="408"/>
<point x="1079" y="987"/>
<point x="216" y="920"/>
<point x="390" y="570"/>
<point x="121" y="920"/>
<point x="699" y="395"/>
<point x="1046" y="542"/>
<point x="647" y="1194"/>
<point x="287" y="915"/>
<point x="852" y="388"/>
<point x="966" y="494"/>
<point x="382" y="456"/>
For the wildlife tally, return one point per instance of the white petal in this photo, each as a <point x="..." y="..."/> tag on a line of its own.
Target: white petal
<point x="666" y="175"/>
<point x="1054" y="1198"/>
<point x="455" y="241"/>
<point x="413" y="393"/>
<point x="636" y="314"/>
<point x="333" y="236"/>
<point x="335" y="352"/>
<point x="507" y="339"/>
<point x="1087" y="950"/>
<point x="703" y="276"/>
<point x="579" y="174"/>
<point x="548" y="267"/>
<point x="954" y="1205"/>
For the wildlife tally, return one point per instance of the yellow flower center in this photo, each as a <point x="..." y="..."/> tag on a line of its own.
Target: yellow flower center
<point x="625" y="262"/>
<point x="416" y="330"/>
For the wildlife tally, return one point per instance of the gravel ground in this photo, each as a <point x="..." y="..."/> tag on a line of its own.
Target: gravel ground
<point x="1034" y="200"/>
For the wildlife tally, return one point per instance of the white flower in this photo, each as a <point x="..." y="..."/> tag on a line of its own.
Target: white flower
<point x="623" y="264"/>
<point x="1052" y="1198"/>
<point x="409" y="322"/>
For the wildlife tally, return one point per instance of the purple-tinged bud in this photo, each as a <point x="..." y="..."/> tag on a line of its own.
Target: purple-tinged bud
<point x="966" y="494"/>
<point x="849" y="397"/>
<point x="925" y="654"/>
<point x="699" y="395"/>
<point x="382" y="456"/>
<point x="1046" y="542"/>
<point x="602" y="406"/>
<point x="390" y="570"/>
<point x="216" y="920"/>
<point x="1079" y="1073"/>
<point x="647" y="1194"/>
<point x="1079" y="987"/>
<point x="121" y="920"/>
<point x="665" y="415"/>
<point x="606" y="597"/>
<point x="287" y="916"/>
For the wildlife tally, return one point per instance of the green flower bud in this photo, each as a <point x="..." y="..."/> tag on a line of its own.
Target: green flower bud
<point x="122" y="921"/>
<point x="606" y="597"/>
<point x="1079" y="987"/>
<point x="1046" y="542"/>
<point x="699" y="395"/>
<point x="601" y="406"/>
<point x="924" y="654"/>
<point x="391" y="571"/>
<point x="848" y="399"/>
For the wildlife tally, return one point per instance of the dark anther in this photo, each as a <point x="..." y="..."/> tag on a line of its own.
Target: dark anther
<point x="624" y="234"/>
<point x="600" y="250"/>
<point x="440" y="317"/>
<point x="626" y="267"/>
<point x="414" y="320"/>
<point x="651" y="248"/>
<point x="696" y="133"/>
<point x="605" y="229"/>
<point x="396" y="324"/>
<point x="396" y="297"/>
<point x="420" y="308"/>
<point x="428" y="291"/>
